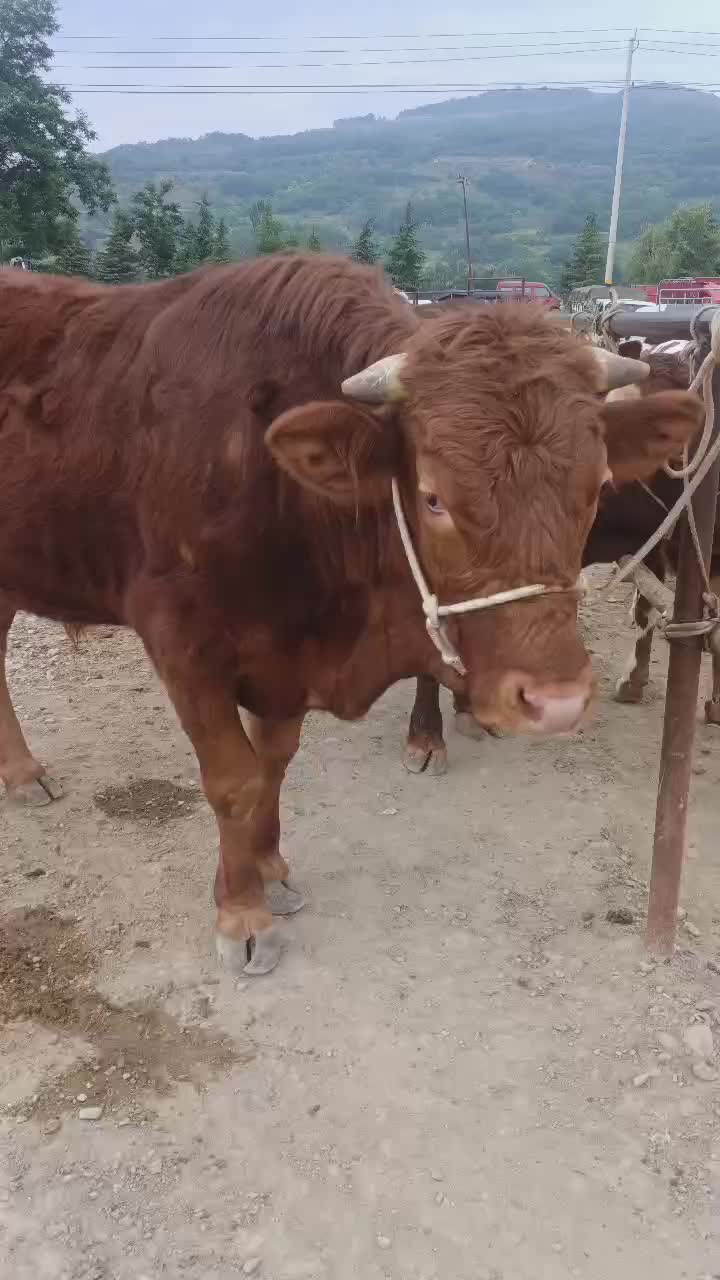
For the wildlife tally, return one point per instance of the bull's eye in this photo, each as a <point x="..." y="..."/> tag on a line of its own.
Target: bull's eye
<point x="433" y="504"/>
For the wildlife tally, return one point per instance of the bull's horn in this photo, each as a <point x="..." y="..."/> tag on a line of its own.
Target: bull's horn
<point x="379" y="383"/>
<point x="618" y="371"/>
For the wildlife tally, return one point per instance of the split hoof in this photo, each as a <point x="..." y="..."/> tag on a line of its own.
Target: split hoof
<point x="626" y="691"/>
<point x="36" y="794"/>
<point x="426" y="759"/>
<point x="282" y="900"/>
<point x="255" y="956"/>
<point x="712" y="712"/>
<point x="469" y="727"/>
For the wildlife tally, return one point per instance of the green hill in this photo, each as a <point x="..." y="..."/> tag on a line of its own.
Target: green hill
<point x="538" y="161"/>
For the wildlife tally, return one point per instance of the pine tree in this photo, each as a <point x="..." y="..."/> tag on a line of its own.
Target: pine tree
<point x="204" y="231"/>
<point x="588" y="260"/>
<point x="74" y="258"/>
<point x="186" y="252"/>
<point x="118" y="263"/>
<point x="314" y="244"/>
<point x="365" y="248"/>
<point x="221" y="244"/>
<point x="269" y="231"/>
<point x="157" y="223"/>
<point x="406" y="258"/>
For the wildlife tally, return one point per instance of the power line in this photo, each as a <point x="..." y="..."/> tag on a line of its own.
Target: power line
<point x="359" y="91"/>
<point x="485" y="57"/>
<point x="385" y="35"/>
<point x="280" y="66"/>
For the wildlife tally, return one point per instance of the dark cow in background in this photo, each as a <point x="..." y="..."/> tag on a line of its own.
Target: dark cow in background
<point x="178" y="458"/>
<point x="626" y="518"/>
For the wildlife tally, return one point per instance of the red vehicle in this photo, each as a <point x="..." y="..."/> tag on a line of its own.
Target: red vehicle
<point x="530" y="291"/>
<point x="695" y="291"/>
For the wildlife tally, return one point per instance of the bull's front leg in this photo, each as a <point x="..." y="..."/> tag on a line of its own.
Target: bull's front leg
<point x="633" y="681"/>
<point x="425" y="750"/>
<point x="274" y="742"/>
<point x="237" y="784"/>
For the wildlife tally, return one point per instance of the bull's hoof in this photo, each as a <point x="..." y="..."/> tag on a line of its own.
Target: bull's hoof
<point x="469" y="727"/>
<point x="36" y="793"/>
<point x="430" y="757"/>
<point x="712" y="712"/>
<point x="282" y="900"/>
<point x="255" y="956"/>
<point x="628" y="691"/>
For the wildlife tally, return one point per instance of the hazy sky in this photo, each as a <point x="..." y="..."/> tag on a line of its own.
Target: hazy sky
<point x="150" y="52"/>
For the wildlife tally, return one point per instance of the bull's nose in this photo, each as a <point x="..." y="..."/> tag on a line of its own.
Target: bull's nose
<point x="555" y="713"/>
<point x="547" y="708"/>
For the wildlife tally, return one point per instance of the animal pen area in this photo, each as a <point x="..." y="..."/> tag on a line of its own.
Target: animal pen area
<point x="468" y="1065"/>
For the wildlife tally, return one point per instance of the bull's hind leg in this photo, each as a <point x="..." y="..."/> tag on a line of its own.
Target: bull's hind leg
<point x="425" y="750"/>
<point x="26" y="780"/>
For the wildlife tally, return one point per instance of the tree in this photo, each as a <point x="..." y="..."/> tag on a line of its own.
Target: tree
<point x="365" y="248"/>
<point x="314" y="244"/>
<point x="45" y="169"/>
<point x="73" y="258"/>
<point x="686" y="244"/>
<point x="587" y="265"/>
<point x="157" y="222"/>
<point x="204" y="231"/>
<point x="269" y="237"/>
<point x="117" y="262"/>
<point x="406" y="258"/>
<point x="221" y="244"/>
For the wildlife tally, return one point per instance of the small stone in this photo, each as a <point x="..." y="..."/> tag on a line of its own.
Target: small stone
<point x="90" y="1113"/>
<point x="704" y="1071"/>
<point x="620" y="915"/>
<point x="713" y="966"/>
<point x="668" y="1042"/>
<point x="691" y="929"/>
<point x="51" y="1126"/>
<point x="437" y="1175"/>
<point x="384" y="1242"/>
<point x="698" y="1040"/>
<point x="388" y="813"/>
<point x="252" y="1266"/>
<point x="35" y="873"/>
<point x="646" y="966"/>
<point x="644" y="1078"/>
<point x="312" y="1111"/>
<point x="705" y="1006"/>
<point x="587" y="917"/>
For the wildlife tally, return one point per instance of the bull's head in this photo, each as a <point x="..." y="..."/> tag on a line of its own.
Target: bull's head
<point x="495" y="425"/>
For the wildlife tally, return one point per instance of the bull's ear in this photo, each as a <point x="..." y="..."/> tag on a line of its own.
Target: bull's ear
<point x="643" y="434"/>
<point x="338" y="450"/>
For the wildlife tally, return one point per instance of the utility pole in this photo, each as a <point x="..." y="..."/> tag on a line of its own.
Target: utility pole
<point x="612" y="238"/>
<point x="463" y="181"/>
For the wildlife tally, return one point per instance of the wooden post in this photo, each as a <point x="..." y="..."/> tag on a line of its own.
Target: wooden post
<point x="680" y="717"/>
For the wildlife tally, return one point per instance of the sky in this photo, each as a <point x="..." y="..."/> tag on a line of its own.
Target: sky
<point x="424" y="52"/>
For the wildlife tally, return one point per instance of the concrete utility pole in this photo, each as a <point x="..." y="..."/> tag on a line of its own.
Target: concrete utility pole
<point x="612" y="238"/>
<point x="463" y="181"/>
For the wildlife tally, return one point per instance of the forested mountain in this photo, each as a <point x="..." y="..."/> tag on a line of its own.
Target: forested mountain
<point x="537" y="160"/>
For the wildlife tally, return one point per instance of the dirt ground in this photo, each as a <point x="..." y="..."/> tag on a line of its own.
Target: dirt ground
<point x="461" y="1070"/>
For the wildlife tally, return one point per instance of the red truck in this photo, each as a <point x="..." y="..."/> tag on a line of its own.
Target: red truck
<point x="530" y="291"/>
<point x="695" y="291"/>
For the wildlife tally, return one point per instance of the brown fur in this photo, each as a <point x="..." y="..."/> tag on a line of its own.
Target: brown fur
<point x="174" y="457"/>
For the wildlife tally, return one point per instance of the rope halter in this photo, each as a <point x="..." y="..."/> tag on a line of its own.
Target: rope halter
<point x="436" y="612"/>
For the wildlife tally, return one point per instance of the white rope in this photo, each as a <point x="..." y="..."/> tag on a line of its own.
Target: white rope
<point x="435" y="612"/>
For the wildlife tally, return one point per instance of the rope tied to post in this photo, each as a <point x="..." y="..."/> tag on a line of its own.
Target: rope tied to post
<point x="692" y="473"/>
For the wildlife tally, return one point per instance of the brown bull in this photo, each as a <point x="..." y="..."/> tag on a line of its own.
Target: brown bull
<point x="177" y="458"/>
